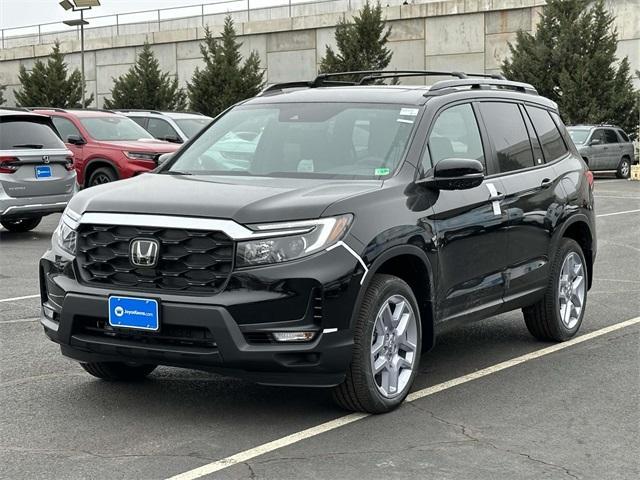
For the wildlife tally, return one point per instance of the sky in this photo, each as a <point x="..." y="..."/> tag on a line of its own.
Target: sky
<point x="19" y="13"/>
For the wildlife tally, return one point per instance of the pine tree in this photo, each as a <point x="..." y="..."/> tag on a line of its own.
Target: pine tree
<point x="225" y="79"/>
<point x="146" y="86"/>
<point x="571" y="59"/>
<point x="361" y="44"/>
<point x="50" y="84"/>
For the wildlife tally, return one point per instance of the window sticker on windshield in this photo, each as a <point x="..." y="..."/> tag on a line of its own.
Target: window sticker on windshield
<point x="404" y="120"/>
<point x="305" y="166"/>
<point x="411" y="112"/>
<point x="378" y="172"/>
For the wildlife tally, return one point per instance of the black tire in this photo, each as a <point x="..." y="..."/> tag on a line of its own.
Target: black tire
<point x="624" y="168"/>
<point x="543" y="318"/>
<point x="118" y="371"/>
<point x="21" y="224"/>
<point x="359" y="391"/>
<point x="101" y="176"/>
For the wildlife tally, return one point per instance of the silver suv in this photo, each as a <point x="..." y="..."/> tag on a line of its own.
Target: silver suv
<point x="604" y="147"/>
<point x="176" y="127"/>
<point x="37" y="177"/>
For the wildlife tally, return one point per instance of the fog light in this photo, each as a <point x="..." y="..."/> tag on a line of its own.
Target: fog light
<point x="48" y="311"/>
<point x="293" y="336"/>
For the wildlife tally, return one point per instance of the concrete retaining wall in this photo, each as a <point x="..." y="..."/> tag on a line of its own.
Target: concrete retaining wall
<point x="469" y="35"/>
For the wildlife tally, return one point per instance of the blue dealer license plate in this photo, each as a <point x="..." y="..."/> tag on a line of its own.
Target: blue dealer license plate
<point x="43" y="171"/>
<point x="138" y="313"/>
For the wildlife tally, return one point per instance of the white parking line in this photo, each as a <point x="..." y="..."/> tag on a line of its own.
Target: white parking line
<point x="614" y="196"/>
<point x="15" y="299"/>
<point x="19" y="320"/>
<point x="354" y="417"/>
<point x="617" y="213"/>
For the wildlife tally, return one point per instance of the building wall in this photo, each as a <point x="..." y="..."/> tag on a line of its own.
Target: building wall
<point x="468" y="35"/>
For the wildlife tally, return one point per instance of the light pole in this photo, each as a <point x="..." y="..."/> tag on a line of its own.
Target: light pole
<point x="80" y="6"/>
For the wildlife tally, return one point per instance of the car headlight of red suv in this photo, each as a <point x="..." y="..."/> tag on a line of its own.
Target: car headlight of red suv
<point x="141" y="156"/>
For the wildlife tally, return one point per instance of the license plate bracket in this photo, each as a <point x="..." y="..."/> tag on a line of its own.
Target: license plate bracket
<point x="134" y="313"/>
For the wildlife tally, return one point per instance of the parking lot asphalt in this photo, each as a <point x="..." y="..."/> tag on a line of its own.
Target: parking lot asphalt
<point x="574" y="413"/>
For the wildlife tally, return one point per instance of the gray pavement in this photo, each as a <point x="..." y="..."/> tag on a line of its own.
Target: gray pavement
<point x="572" y="414"/>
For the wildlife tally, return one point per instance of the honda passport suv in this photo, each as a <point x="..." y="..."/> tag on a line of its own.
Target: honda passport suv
<point x="107" y="146"/>
<point x="36" y="170"/>
<point x="367" y="219"/>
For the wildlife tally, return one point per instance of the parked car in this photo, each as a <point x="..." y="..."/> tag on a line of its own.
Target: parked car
<point x="176" y="127"/>
<point x="604" y="147"/>
<point x="366" y="220"/>
<point x="106" y="146"/>
<point x="37" y="177"/>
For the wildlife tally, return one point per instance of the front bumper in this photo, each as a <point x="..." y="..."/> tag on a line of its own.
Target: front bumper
<point x="227" y="332"/>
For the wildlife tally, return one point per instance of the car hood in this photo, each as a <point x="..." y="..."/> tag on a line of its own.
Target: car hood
<point x="243" y="199"/>
<point x="144" y="145"/>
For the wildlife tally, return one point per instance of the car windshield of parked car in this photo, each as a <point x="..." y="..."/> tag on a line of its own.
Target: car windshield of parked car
<point x="192" y="126"/>
<point x="579" y="135"/>
<point x="324" y="140"/>
<point x="114" y="128"/>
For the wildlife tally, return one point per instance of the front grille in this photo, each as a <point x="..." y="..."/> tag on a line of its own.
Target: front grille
<point x="169" y="335"/>
<point x="192" y="261"/>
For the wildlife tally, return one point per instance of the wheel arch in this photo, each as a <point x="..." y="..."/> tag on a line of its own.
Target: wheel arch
<point x="95" y="163"/>
<point x="578" y="229"/>
<point x="411" y="264"/>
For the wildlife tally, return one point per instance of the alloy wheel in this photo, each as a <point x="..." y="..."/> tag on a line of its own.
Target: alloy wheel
<point x="393" y="346"/>
<point x="571" y="290"/>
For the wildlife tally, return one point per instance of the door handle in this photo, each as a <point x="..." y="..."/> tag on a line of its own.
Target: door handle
<point x="546" y="183"/>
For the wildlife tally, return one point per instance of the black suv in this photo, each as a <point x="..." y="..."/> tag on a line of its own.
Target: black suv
<point x="342" y="228"/>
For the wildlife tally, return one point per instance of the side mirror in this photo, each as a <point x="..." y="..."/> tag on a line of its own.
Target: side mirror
<point x="172" y="139"/>
<point x="76" y="140"/>
<point x="595" y="141"/>
<point x="455" y="174"/>
<point x="162" y="159"/>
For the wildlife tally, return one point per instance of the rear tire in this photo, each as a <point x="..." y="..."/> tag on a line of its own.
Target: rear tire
<point x="21" y="224"/>
<point x="558" y="316"/>
<point x="118" y="371"/>
<point x="387" y="338"/>
<point x="101" y="176"/>
<point x="624" y="168"/>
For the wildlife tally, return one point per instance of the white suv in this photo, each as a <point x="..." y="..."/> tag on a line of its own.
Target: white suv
<point x="176" y="127"/>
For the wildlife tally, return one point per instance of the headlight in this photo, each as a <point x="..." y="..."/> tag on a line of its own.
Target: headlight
<point x="292" y="240"/>
<point x="141" y="156"/>
<point x="66" y="234"/>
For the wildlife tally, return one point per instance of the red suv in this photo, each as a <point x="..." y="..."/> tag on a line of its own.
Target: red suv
<point x="106" y="146"/>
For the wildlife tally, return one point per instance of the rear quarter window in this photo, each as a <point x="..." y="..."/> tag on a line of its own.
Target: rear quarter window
<point x="623" y="136"/>
<point x="16" y="132"/>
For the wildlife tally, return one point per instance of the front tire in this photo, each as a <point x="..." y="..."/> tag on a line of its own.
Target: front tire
<point x="21" y="224"/>
<point x="101" y="176"/>
<point x="624" y="168"/>
<point x="558" y="316"/>
<point x="386" y="352"/>
<point x="118" y="371"/>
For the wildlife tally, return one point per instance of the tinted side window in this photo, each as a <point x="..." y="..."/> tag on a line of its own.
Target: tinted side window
<point x="623" y="136"/>
<point x="598" y="135"/>
<point x="455" y="134"/>
<point x="552" y="144"/>
<point x="161" y="129"/>
<point x="610" y="136"/>
<point x="65" y="127"/>
<point x="142" y="121"/>
<point x="507" y="131"/>
<point x="15" y="132"/>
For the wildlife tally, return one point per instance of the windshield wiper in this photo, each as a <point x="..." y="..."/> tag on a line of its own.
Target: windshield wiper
<point x="175" y="172"/>
<point x="28" y="145"/>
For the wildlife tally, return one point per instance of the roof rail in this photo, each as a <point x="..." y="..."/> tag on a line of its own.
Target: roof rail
<point x="105" y="110"/>
<point x="15" y="109"/>
<point x="143" y="110"/>
<point x="441" y="87"/>
<point x="53" y="109"/>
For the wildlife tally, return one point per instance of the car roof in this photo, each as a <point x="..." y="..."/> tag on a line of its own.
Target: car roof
<point x="17" y="112"/>
<point x="160" y="114"/>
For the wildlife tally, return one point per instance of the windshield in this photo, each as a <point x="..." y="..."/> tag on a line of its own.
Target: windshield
<point x="578" y="135"/>
<point x="326" y="140"/>
<point x="114" y="128"/>
<point x="192" y="126"/>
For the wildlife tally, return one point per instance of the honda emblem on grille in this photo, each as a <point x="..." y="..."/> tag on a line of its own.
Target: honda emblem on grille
<point x="143" y="252"/>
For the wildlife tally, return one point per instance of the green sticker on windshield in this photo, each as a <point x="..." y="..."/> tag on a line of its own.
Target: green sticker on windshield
<point x="381" y="171"/>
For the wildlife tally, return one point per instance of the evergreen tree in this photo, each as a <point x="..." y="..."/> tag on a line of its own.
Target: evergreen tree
<point x="571" y="59"/>
<point x="50" y="84"/>
<point x="145" y="86"/>
<point x="2" y="89"/>
<point x="225" y="79"/>
<point x="361" y="44"/>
